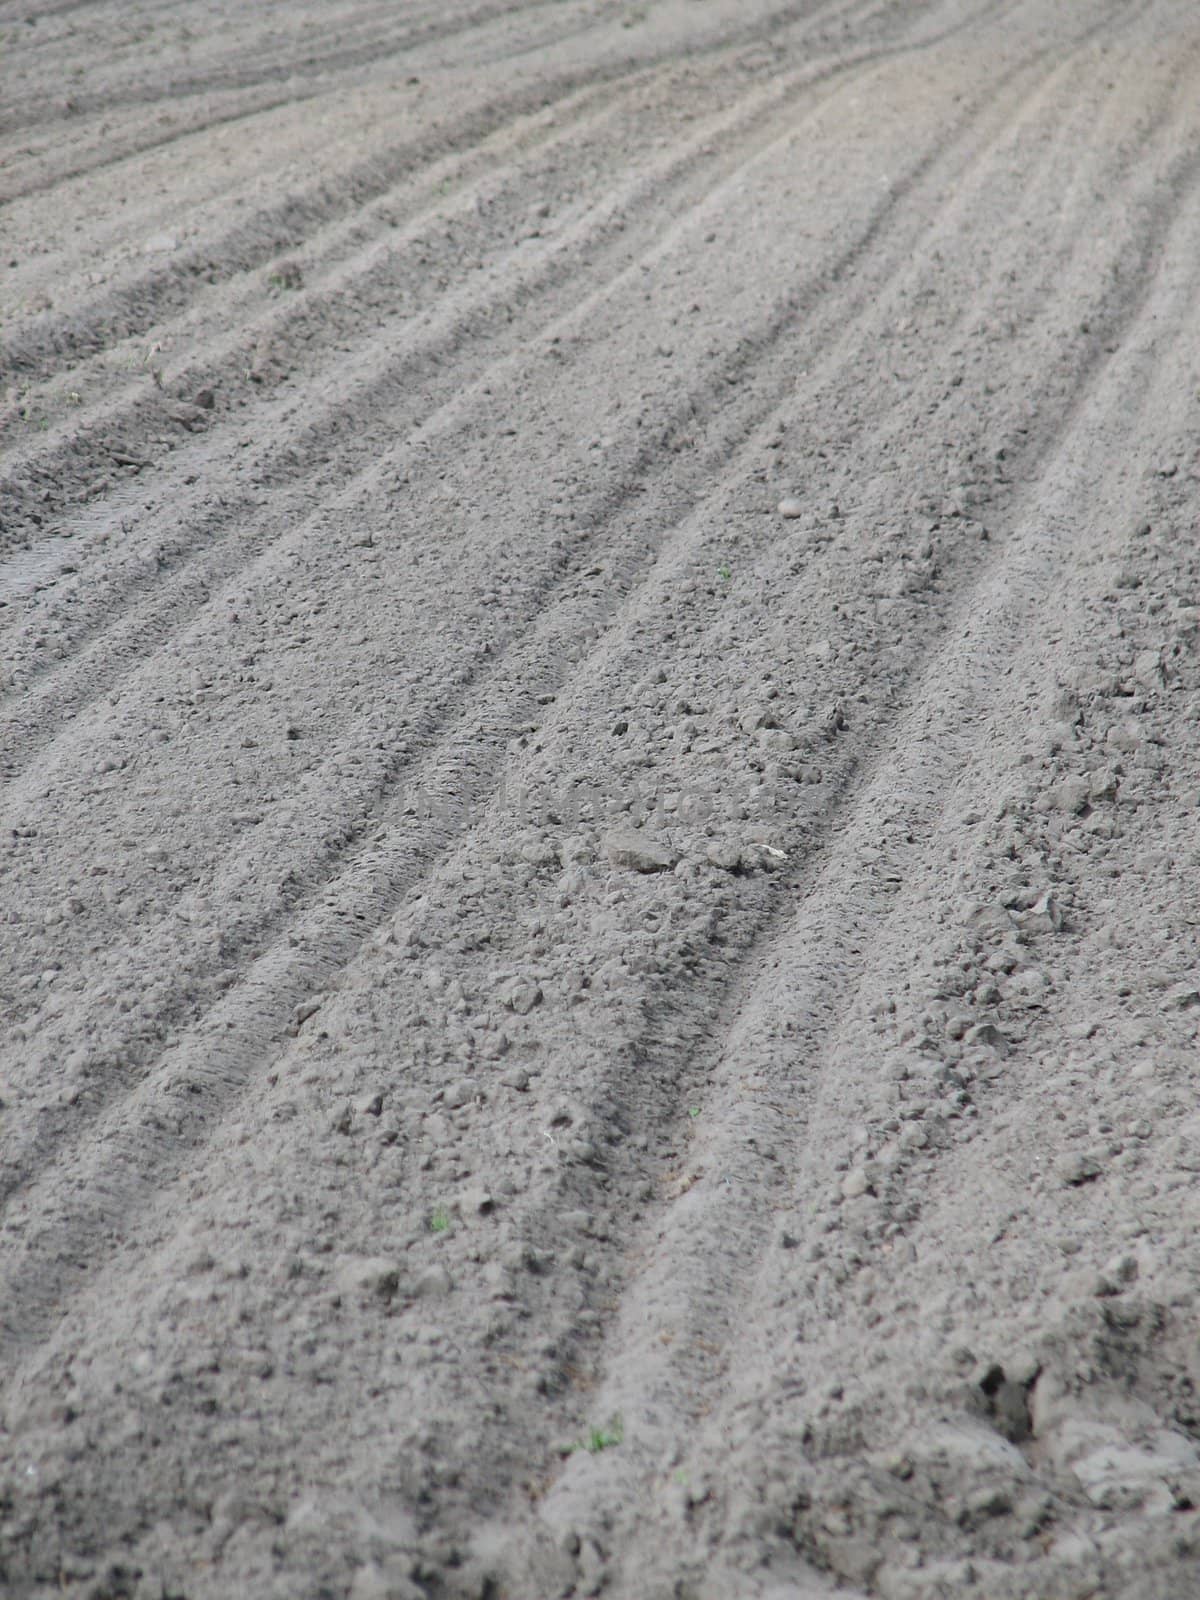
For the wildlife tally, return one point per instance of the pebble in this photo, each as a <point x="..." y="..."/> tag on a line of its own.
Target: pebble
<point x="855" y="1183"/>
<point x="515" y="1078"/>
<point x="1102" y="785"/>
<point x="188" y="416"/>
<point x="1148" y="668"/>
<point x="368" y="1277"/>
<point x="756" y="717"/>
<point x="432" y="1282"/>
<point x="522" y="995"/>
<point x="460" y="1093"/>
<point x="540" y="853"/>
<point x="791" y="506"/>
<point x="1044" y="916"/>
<point x="1116" y="1275"/>
<point x="987" y="1033"/>
<point x="728" y="857"/>
<point x="1075" y="1170"/>
<point x="1071" y="795"/>
<point x="499" y="1280"/>
<point x="989" y="919"/>
<point x="634" y="851"/>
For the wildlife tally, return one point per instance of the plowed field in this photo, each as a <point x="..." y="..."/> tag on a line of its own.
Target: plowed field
<point x="600" y="749"/>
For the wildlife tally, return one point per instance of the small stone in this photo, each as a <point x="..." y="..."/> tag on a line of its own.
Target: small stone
<point x="1125" y="738"/>
<point x="1043" y="916"/>
<point x="1075" y="1170"/>
<point x="437" y="1130"/>
<point x="987" y="1033"/>
<point x="990" y="1501"/>
<point x="188" y="416"/>
<point x="500" y="1280"/>
<point x="368" y="1277"/>
<point x="515" y="1078"/>
<point x="1102" y="785"/>
<point x="475" y="1202"/>
<point x="726" y="856"/>
<point x="1148" y="668"/>
<point x="989" y="919"/>
<point x="791" y="506"/>
<point x="855" y="1183"/>
<point x="522" y="995"/>
<point x="1116" y="1275"/>
<point x="756" y="717"/>
<point x="1072" y="795"/>
<point x="640" y="854"/>
<point x="461" y="1093"/>
<point x="433" y="1282"/>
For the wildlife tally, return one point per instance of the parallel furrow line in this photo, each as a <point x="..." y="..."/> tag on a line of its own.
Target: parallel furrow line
<point x="242" y="1054"/>
<point x="333" y="442"/>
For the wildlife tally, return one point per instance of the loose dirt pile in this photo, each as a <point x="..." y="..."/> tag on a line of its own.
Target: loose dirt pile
<point x="600" y="727"/>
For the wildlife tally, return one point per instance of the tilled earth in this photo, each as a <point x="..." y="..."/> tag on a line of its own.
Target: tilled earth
<point x="600" y="735"/>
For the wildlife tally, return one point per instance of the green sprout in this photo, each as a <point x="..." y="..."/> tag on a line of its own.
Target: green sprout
<point x="602" y="1438"/>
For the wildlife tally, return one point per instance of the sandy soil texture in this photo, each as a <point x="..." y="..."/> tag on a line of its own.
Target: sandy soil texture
<point x="600" y="741"/>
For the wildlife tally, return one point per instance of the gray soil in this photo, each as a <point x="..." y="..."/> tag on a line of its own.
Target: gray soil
<point x="600" y="737"/>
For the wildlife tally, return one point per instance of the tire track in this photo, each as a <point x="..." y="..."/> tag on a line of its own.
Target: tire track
<point x="709" y="1267"/>
<point x="83" y="454"/>
<point x="743" y="362"/>
<point x="322" y="444"/>
<point x="688" y="46"/>
<point x="344" y="899"/>
<point x="746" y="358"/>
<point x="1005" y="311"/>
<point x="345" y="55"/>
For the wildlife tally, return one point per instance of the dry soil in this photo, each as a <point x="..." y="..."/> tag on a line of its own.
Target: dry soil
<point x="600" y="736"/>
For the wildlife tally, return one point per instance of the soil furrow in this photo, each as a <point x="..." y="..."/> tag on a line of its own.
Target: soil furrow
<point x="599" y="945"/>
<point x="356" y="826"/>
<point x="358" y="816"/>
<point x="326" y="441"/>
